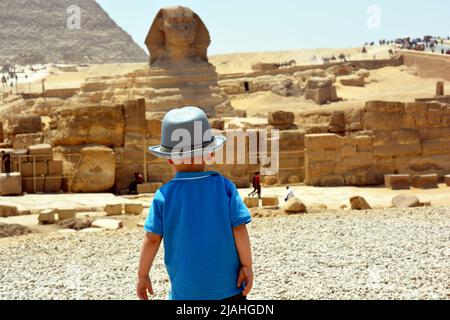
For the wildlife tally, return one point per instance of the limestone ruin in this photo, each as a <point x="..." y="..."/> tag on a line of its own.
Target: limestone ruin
<point x="95" y="138"/>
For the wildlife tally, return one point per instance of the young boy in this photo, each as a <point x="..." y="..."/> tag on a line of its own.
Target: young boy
<point x="200" y="216"/>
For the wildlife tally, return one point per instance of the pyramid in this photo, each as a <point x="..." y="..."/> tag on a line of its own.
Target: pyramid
<point x="47" y="31"/>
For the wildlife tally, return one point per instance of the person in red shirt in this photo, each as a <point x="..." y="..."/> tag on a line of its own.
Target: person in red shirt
<point x="256" y="185"/>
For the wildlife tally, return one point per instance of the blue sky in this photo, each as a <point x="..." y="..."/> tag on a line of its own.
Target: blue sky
<point x="268" y="25"/>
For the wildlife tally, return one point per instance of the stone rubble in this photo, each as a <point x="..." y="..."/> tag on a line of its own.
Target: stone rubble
<point x="378" y="254"/>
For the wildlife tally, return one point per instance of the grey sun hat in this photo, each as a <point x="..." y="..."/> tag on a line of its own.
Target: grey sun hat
<point x="186" y="133"/>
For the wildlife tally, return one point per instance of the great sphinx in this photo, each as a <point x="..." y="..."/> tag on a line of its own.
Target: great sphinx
<point x="178" y="74"/>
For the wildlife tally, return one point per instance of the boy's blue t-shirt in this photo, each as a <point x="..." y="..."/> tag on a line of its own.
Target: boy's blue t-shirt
<point x="196" y="213"/>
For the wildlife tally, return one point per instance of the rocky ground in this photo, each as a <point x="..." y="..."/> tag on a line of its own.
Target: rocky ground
<point x="378" y="254"/>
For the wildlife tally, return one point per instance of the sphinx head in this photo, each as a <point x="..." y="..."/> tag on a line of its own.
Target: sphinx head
<point x="177" y="34"/>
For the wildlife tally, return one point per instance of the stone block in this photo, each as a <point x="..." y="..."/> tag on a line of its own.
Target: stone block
<point x="326" y="142"/>
<point x="270" y="202"/>
<point x="348" y="150"/>
<point x="359" y="203"/>
<point x="8" y="211"/>
<point x="21" y="155"/>
<point x="337" y="122"/>
<point x="322" y="95"/>
<point x="281" y="118"/>
<point x="11" y="184"/>
<point x="314" y="172"/>
<point x="352" y="81"/>
<point x="22" y="124"/>
<point x="251" y="202"/>
<point x="47" y="217"/>
<point x="134" y="208"/>
<point x="406" y="201"/>
<point x="398" y="150"/>
<point x="436" y="146"/>
<point x="149" y="187"/>
<point x="114" y="209"/>
<point x="109" y="224"/>
<point x="64" y="214"/>
<point x="440" y="88"/>
<point x="323" y="155"/>
<point x="397" y="181"/>
<point x="96" y="171"/>
<point x="332" y="180"/>
<point x="361" y="159"/>
<point x="426" y="181"/>
<point x="52" y="184"/>
<point x="270" y="180"/>
<point x="23" y="141"/>
<point x="55" y="167"/>
<point x="29" y="186"/>
<point x="439" y="164"/>
<point x="447" y="180"/>
<point x="43" y="152"/>
<point x="294" y="206"/>
<point x="154" y="127"/>
<point x="30" y="169"/>
<point x="291" y="163"/>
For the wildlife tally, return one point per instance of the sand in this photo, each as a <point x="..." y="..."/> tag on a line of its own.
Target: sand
<point x="242" y="62"/>
<point x="378" y="254"/>
<point x="388" y="84"/>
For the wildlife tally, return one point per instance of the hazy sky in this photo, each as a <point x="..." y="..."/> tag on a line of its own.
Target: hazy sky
<point x="272" y="25"/>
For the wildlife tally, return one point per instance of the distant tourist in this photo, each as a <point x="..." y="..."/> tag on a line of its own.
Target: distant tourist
<point x="4" y="82"/>
<point x="256" y="186"/>
<point x="290" y="194"/>
<point x="6" y="159"/>
<point x="138" y="179"/>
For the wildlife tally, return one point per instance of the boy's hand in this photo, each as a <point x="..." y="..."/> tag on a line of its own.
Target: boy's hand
<point x="245" y="277"/>
<point x="144" y="284"/>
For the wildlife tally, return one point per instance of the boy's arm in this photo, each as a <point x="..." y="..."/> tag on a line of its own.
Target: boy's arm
<point x="242" y="241"/>
<point x="149" y="250"/>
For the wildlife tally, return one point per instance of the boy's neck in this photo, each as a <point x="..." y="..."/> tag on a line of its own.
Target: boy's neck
<point x="189" y="168"/>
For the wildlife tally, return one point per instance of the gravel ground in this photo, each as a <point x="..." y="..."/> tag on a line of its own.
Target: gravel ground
<point x="379" y="254"/>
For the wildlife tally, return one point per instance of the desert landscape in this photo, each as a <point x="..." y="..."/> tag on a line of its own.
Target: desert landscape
<point x="364" y="144"/>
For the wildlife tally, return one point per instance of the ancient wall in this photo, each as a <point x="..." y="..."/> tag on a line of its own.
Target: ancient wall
<point x="429" y="65"/>
<point x="131" y="157"/>
<point x="59" y="93"/>
<point x="442" y="99"/>
<point x="411" y="138"/>
<point x="366" y="64"/>
<point x="291" y="157"/>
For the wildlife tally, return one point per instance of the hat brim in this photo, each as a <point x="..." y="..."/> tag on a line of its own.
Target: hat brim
<point x="218" y="143"/>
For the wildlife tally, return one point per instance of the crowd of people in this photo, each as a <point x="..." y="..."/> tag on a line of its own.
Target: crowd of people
<point x="427" y="43"/>
<point x="11" y="73"/>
